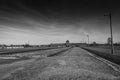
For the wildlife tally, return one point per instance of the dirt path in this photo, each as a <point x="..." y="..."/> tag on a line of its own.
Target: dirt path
<point x="73" y="64"/>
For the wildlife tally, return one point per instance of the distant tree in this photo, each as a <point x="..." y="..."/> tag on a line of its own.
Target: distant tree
<point x="26" y="45"/>
<point x="93" y="44"/>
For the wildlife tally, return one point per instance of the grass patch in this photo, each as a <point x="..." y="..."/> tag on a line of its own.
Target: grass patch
<point x="9" y="61"/>
<point x="108" y="56"/>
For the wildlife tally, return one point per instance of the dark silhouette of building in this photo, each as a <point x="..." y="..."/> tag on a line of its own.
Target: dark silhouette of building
<point x="67" y="43"/>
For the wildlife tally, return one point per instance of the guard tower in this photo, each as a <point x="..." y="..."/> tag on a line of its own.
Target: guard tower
<point x="67" y="43"/>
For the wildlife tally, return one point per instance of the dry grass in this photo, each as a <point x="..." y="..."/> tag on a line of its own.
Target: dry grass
<point x="105" y="53"/>
<point x="9" y="65"/>
<point x="105" y="50"/>
<point x="74" y="64"/>
<point x="45" y="72"/>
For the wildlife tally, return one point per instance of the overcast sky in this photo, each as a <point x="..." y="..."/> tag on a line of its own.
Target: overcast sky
<point x="55" y="21"/>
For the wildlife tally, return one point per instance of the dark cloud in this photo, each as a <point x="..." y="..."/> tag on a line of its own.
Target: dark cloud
<point x="57" y="11"/>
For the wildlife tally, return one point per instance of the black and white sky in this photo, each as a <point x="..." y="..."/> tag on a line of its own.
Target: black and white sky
<point x="55" y="21"/>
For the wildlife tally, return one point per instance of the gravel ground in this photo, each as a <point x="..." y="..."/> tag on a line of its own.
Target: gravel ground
<point x="73" y="64"/>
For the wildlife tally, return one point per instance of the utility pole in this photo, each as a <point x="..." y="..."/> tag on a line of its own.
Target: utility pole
<point x="110" y="17"/>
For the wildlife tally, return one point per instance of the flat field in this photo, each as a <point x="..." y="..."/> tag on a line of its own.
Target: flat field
<point x="105" y="50"/>
<point x="105" y="53"/>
